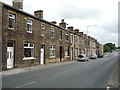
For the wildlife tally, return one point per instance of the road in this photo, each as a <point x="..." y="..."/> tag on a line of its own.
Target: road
<point x="90" y="74"/>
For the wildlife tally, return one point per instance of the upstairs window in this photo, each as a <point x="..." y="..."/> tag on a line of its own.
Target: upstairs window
<point x="67" y="38"/>
<point x="52" y="32"/>
<point x="28" y="50"/>
<point x="29" y="26"/>
<point x="61" y="35"/>
<point x="42" y="30"/>
<point x="11" y="24"/>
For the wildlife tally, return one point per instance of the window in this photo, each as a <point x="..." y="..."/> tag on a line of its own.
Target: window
<point x="72" y="38"/>
<point x="42" y="30"/>
<point x="61" y="35"/>
<point x="67" y="38"/>
<point x="11" y="21"/>
<point x="52" y="51"/>
<point x="28" y="50"/>
<point x="52" y="32"/>
<point x="66" y="51"/>
<point x="29" y="26"/>
<point x="76" y="52"/>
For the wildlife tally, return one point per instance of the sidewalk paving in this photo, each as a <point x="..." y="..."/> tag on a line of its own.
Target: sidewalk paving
<point x="113" y="80"/>
<point x="38" y="67"/>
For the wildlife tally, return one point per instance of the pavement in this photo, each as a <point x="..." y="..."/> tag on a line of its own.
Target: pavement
<point x="32" y="68"/>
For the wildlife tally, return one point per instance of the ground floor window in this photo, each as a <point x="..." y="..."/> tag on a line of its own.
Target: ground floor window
<point x="66" y="51"/>
<point x="76" y="51"/>
<point x="28" y="50"/>
<point x="53" y="51"/>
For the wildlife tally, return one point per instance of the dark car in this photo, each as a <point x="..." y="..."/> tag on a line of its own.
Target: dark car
<point x="100" y="55"/>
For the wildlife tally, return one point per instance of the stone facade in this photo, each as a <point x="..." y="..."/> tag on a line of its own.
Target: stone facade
<point x="35" y="41"/>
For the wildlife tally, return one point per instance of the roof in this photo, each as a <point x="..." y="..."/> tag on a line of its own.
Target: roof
<point x="35" y="17"/>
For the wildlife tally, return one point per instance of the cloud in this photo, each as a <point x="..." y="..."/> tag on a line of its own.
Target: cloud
<point x="71" y="11"/>
<point x="111" y="27"/>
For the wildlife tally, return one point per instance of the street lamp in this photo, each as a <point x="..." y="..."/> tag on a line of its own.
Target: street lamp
<point x="89" y="26"/>
<point x="88" y="47"/>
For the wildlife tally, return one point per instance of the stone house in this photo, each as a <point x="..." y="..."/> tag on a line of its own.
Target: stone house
<point x="28" y="40"/>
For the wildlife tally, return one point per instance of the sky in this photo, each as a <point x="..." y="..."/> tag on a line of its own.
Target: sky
<point x="100" y="15"/>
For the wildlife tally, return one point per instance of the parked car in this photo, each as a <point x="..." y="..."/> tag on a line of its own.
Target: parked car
<point x="100" y="55"/>
<point x="82" y="57"/>
<point x="94" y="56"/>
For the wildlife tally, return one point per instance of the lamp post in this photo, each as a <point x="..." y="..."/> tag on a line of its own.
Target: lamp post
<point x="90" y="26"/>
<point x="88" y="47"/>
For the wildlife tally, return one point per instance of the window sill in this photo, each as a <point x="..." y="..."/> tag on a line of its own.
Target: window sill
<point x="67" y="56"/>
<point x="11" y="28"/>
<point x="28" y="58"/>
<point x="29" y="32"/>
<point x="52" y="57"/>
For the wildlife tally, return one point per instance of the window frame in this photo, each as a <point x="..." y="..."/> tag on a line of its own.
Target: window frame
<point x="13" y="18"/>
<point x="53" y="51"/>
<point x="30" y="46"/>
<point x="30" y="23"/>
<point x="42" y="30"/>
<point x="52" y="32"/>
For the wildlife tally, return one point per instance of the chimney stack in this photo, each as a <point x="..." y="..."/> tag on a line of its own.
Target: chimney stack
<point x="70" y="28"/>
<point x="81" y="33"/>
<point x="18" y="4"/>
<point x="54" y="22"/>
<point x="39" y="14"/>
<point x="76" y="30"/>
<point x="62" y="24"/>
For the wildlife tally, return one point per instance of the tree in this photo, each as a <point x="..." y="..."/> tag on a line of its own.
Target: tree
<point x="109" y="47"/>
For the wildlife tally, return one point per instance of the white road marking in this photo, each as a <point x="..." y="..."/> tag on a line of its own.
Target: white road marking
<point x="26" y="84"/>
<point x="64" y="72"/>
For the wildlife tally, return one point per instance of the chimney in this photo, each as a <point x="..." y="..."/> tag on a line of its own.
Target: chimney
<point x="18" y="4"/>
<point x="39" y="14"/>
<point x="62" y="24"/>
<point x="76" y="30"/>
<point x="70" y="28"/>
<point x="81" y="33"/>
<point x="53" y="22"/>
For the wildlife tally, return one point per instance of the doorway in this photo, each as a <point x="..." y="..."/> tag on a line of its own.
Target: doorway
<point x="42" y="55"/>
<point x="10" y="54"/>
<point x="61" y="53"/>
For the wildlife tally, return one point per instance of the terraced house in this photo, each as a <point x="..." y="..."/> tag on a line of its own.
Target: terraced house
<point x="28" y="40"/>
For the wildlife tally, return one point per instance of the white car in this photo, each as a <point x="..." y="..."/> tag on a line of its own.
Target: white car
<point x="82" y="57"/>
<point x="94" y="56"/>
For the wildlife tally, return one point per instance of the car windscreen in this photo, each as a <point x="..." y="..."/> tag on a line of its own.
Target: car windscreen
<point x="81" y="56"/>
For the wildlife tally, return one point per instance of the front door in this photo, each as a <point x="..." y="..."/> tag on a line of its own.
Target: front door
<point x="10" y="55"/>
<point x="42" y="55"/>
<point x="61" y="51"/>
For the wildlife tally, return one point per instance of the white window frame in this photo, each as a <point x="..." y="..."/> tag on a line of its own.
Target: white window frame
<point x="76" y="51"/>
<point x="30" y="23"/>
<point x="29" y="46"/>
<point x="42" y="30"/>
<point x="67" y="37"/>
<point x="66" y="51"/>
<point x="52" y="51"/>
<point x="52" y="32"/>
<point x="11" y="16"/>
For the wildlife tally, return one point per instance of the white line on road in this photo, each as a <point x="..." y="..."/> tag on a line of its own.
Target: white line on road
<point x="64" y="72"/>
<point x="26" y="84"/>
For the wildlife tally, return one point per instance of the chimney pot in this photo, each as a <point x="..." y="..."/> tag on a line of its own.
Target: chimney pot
<point x="39" y="13"/>
<point x="18" y="4"/>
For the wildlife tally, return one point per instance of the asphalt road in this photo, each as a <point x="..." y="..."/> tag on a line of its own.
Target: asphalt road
<point x="90" y="74"/>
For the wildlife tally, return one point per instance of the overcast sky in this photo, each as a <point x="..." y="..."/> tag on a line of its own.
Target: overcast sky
<point x="80" y="14"/>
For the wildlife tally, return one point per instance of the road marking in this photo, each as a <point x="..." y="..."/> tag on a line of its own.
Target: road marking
<point x="64" y="71"/>
<point x="26" y="84"/>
